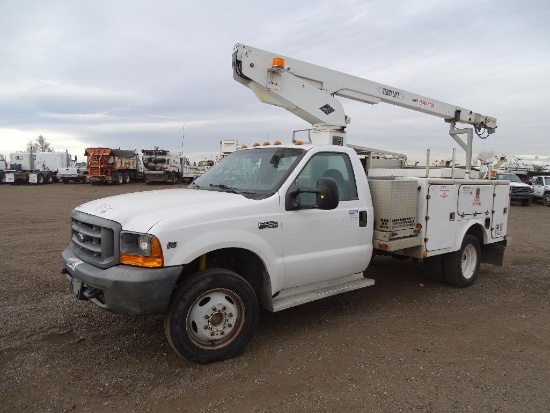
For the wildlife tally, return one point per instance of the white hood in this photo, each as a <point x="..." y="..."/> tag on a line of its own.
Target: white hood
<point x="139" y="211"/>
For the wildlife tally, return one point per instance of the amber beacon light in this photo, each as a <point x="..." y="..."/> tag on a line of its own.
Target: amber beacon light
<point x="278" y="62"/>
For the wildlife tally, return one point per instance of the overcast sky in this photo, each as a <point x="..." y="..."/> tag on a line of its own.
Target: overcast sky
<point x="130" y="74"/>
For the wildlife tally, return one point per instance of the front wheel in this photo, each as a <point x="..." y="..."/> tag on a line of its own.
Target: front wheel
<point x="212" y="316"/>
<point x="546" y="200"/>
<point x="462" y="267"/>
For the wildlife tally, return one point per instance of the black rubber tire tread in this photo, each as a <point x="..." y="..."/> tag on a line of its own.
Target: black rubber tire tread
<point x="453" y="264"/>
<point x="48" y="179"/>
<point x="40" y="179"/>
<point x="183" y="298"/>
<point x="435" y="268"/>
<point x="116" y="178"/>
<point x="546" y="200"/>
<point x="126" y="178"/>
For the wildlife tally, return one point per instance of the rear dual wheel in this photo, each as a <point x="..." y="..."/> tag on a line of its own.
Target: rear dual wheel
<point x="117" y="178"/>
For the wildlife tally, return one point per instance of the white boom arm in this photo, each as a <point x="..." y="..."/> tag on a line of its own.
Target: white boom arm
<point x="309" y="91"/>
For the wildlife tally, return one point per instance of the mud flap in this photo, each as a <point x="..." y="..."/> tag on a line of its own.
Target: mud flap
<point x="493" y="253"/>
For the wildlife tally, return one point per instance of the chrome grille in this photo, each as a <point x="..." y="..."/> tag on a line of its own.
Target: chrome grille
<point x="519" y="190"/>
<point x="95" y="240"/>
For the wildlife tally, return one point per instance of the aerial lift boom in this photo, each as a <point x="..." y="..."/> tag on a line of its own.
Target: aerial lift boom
<point x="309" y="91"/>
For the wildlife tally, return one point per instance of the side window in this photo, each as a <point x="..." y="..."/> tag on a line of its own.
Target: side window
<point x="331" y="165"/>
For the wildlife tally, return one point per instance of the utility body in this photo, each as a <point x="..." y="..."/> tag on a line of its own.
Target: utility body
<point x="36" y="167"/>
<point x="274" y="226"/>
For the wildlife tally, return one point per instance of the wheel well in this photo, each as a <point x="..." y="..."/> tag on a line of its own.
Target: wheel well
<point x="245" y="263"/>
<point x="478" y="232"/>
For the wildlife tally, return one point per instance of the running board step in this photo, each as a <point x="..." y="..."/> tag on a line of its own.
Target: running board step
<point x="304" y="294"/>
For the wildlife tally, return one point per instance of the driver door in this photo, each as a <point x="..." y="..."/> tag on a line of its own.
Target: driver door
<point x="319" y="245"/>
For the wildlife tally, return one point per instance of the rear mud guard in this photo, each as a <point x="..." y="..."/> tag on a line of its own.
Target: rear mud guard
<point x="493" y="253"/>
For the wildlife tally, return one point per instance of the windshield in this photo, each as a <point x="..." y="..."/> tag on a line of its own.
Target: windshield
<point x="508" y="177"/>
<point x="254" y="173"/>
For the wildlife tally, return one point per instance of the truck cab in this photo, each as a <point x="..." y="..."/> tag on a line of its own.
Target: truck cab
<point x="541" y="189"/>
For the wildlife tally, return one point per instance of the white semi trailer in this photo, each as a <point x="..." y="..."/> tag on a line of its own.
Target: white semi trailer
<point x="36" y="167"/>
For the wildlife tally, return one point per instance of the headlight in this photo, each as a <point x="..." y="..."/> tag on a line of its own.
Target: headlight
<point x="142" y="250"/>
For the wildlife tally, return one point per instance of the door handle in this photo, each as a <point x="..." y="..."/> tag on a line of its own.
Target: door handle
<point x="362" y="218"/>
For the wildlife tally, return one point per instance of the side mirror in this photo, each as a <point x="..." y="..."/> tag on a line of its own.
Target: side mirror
<point x="327" y="196"/>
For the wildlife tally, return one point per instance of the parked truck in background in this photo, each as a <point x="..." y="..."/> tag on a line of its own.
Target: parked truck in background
<point x="117" y="166"/>
<point x="277" y="226"/>
<point x="228" y="146"/>
<point x="3" y="168"/>
<point x="519" y="191"/>
<point x="160" y="165"/>
<point x="541" y="189"/>
<point x="36" y="167"/>
<point x="75" y="173"/>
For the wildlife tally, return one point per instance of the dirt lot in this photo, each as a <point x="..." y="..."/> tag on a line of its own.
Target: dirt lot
<point x="406" y="344"/>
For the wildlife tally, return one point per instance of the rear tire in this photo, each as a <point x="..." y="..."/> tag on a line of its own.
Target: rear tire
<point x="117" y="178"/>
<point x="126" y="177"/>
<point x="212" y="316"/>
<point x="462" y="267"/>
<point x="39" y="179"/>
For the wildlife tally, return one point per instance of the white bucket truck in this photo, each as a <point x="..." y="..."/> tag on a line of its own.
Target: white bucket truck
<point x="280" y="225"/>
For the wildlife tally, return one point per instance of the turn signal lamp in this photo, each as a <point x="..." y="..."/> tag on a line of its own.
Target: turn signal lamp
<point x="145" y="252"/>
<point x="278" y="62"/>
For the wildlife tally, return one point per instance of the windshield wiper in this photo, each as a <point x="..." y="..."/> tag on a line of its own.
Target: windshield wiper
<point x="228" y="188"/>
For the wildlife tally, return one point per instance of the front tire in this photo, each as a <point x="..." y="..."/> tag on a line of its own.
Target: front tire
<point x="546" y="199"/>
<point x="462" y="267"/>
<point x="212" y="316"/>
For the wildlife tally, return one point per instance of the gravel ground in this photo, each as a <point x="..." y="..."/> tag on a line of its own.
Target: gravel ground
<point x="405" y="345"/>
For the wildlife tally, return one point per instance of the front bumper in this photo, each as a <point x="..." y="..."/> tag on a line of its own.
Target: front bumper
<point x="122" y="288"/>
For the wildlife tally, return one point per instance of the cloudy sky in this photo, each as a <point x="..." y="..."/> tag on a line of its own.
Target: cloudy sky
<point x="132" y="74"/>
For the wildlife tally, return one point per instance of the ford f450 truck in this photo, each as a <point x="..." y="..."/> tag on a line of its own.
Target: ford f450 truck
<point x="277" y="226"/>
